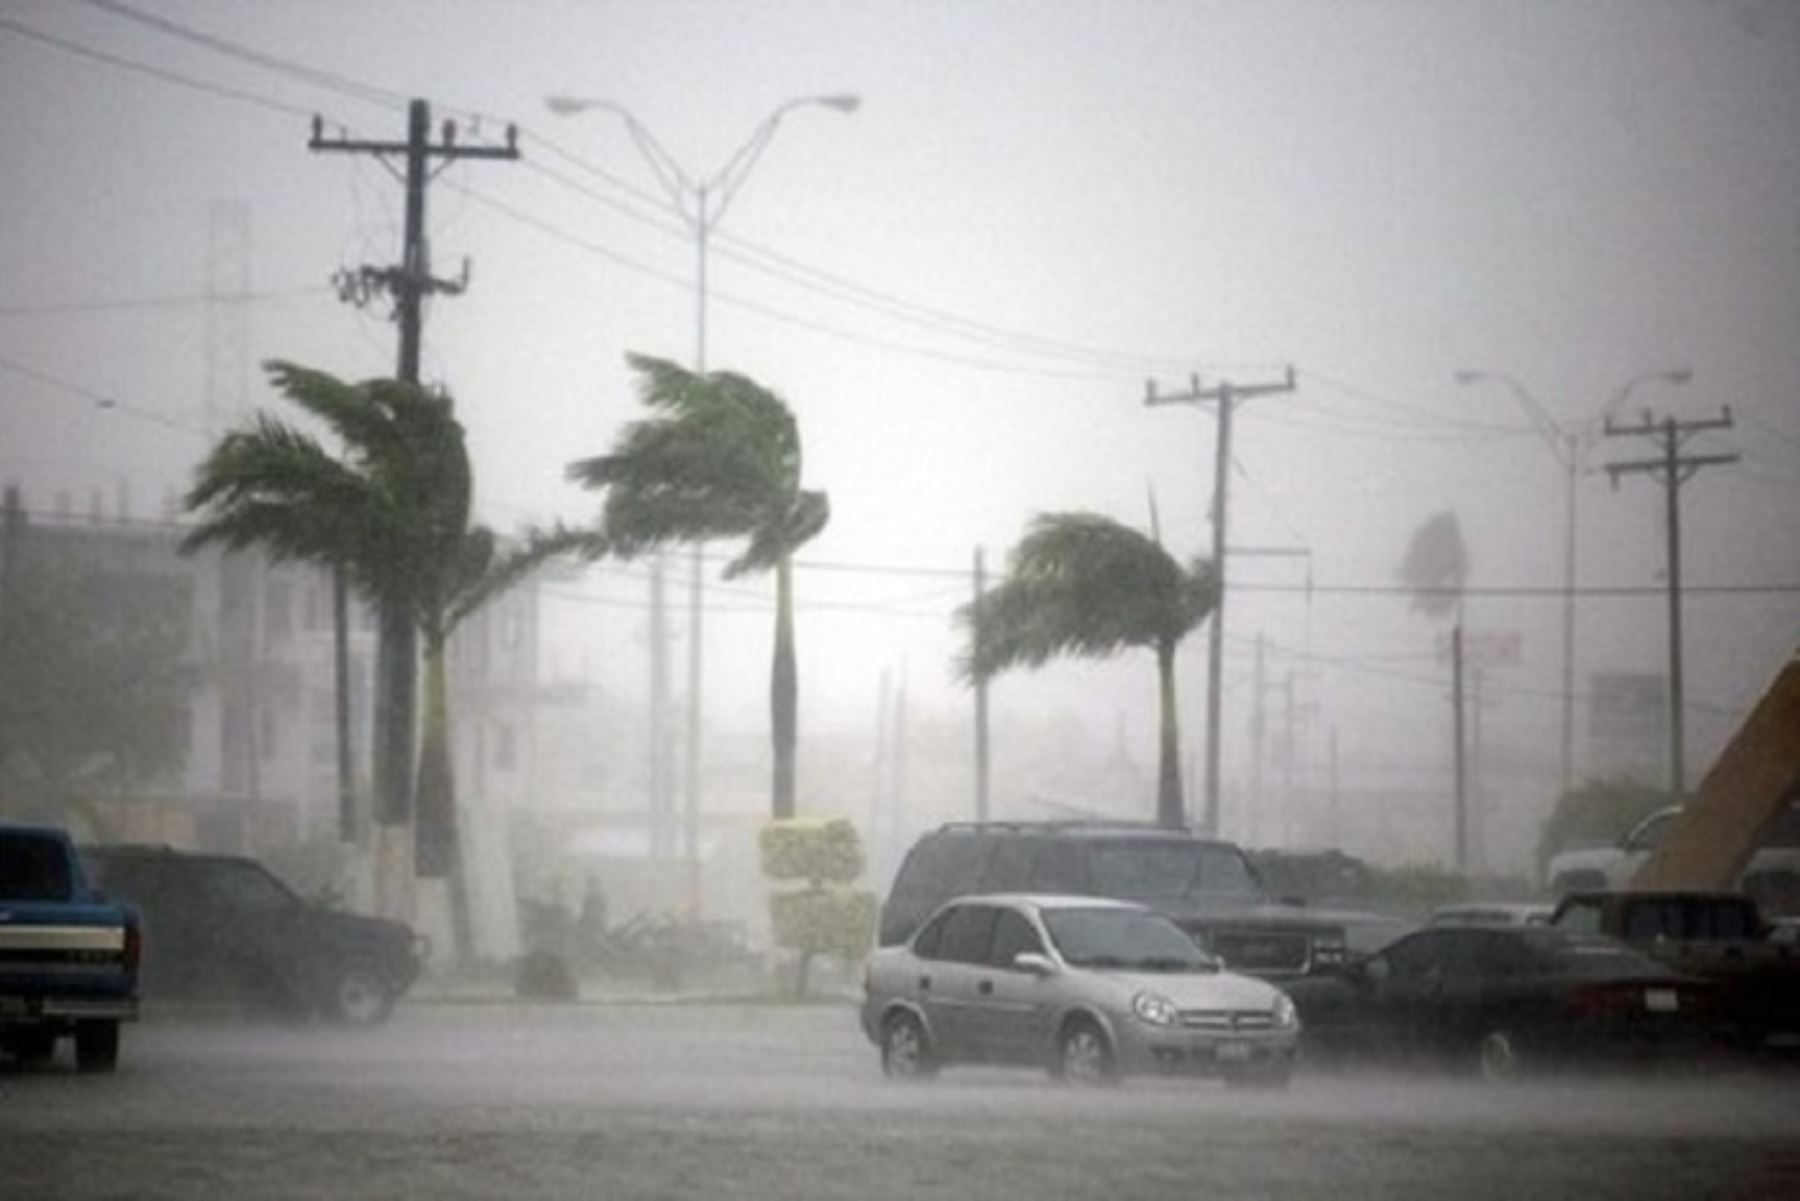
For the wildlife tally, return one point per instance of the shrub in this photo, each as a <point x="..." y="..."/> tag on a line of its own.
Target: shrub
<point x="825" y="916"/>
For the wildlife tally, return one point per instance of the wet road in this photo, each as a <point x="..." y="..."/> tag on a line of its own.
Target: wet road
<point x="707" y="1101"/>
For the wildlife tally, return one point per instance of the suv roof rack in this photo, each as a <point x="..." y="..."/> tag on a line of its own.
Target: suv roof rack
<point x="1075" y="826"/>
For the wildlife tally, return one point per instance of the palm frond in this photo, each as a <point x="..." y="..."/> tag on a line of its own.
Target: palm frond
<point x="1081" y="584"/>
<point x="718" y="458"/>
<point x="779" y="537"/>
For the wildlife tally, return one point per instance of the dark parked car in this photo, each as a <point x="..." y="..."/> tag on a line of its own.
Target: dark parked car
<point x="1503" y="999"/>
<point x="1207" y="886"/>
<point x="223" y="928"/>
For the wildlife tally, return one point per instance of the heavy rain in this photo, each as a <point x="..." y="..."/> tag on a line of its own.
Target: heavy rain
<point x="683" y="600"/>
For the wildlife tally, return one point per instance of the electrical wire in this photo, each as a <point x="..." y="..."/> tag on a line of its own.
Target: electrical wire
<point x="329" y="80"/>
<point x="180" y="301"/>
<point x="99" y="399"/>
<point x="7" y="25"/>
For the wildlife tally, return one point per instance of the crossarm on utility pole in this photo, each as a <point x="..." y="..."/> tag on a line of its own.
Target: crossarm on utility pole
<point x="1228" y="395"/>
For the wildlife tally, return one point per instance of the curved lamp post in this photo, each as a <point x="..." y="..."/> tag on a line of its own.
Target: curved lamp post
<point x="700" y="204"/>
<point x="1569" y="442"/>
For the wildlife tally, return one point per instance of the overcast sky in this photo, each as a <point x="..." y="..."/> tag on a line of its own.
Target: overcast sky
<point x="961" y="290"/>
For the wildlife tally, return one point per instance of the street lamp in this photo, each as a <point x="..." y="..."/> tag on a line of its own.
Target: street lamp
<point x="1569" y="443"/>
<point x="700" y="204"/>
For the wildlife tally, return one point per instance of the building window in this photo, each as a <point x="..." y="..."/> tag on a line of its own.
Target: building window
<point x="278" y="620"/>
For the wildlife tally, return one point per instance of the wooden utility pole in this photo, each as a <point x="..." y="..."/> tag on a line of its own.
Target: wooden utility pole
<point x="981" y="695"/>
<point x="1460" y="819"/>
<point x="1672" y="469"/>
<point x="408" y="283"/>
<point x="1227" y="396"/>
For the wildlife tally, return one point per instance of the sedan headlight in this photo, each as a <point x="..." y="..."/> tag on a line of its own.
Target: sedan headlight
<point x="1154" y="1008"/>
<point x="1286" y="1016"/>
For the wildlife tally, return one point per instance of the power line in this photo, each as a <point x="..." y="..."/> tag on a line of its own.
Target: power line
<point x="848" y="291"/>
<point x="176" y="301"/>
<point x="7" y="25"/>
<point x="99" y="399"/>
<point x="1375" y="400"/>
<point x="773" y="313"/>
<point x="329" y="80"/>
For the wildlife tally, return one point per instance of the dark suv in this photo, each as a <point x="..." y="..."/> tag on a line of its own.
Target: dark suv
<point x="1206" y="886"/>
<point x="223" y="928"/>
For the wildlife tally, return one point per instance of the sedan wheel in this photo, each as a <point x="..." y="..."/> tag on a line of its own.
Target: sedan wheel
<point x="905" y="1053"/>
<point x="1084" y="1057"/>
<point x="1498" y="1056"/>
<point x="361" y="997"/>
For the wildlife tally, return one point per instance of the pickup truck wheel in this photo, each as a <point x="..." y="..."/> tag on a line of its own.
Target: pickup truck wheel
<point x="360" y="996"/>
<point x="33" y="1045"/>
<point x="96" y="1046"/>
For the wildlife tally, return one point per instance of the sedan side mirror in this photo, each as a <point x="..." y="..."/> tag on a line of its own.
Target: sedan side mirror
<point x="1035" y="962"/>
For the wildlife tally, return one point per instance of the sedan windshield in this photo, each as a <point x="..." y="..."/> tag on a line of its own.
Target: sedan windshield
<point x="1123" y="938"/>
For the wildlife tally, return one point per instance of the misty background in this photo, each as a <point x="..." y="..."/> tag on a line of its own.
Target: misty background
<point x="961" y="290"/>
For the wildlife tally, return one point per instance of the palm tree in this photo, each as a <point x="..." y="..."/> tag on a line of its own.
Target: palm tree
<point x="720" y="458"/>
<point x="1083" y="584"/>
<point x="394" y="515"/>
<point x="276" y="487"/>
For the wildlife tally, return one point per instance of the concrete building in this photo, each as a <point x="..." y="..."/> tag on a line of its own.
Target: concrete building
<point x="259" y="770"/>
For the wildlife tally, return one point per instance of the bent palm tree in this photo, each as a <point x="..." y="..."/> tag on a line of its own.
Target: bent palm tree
<point x="276" y="487"/>
<point x="720" y="459"/>
<point x="394" y="514"/>
<point x="1083" y="584"/>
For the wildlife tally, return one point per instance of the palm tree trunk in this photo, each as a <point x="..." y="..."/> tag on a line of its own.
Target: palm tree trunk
<point x="396" y="698"/>
<point x="784" y="690"/>
<point x="1169" y="808"/>
<point x="349" y="827"/>
<point x="439" y="848"/>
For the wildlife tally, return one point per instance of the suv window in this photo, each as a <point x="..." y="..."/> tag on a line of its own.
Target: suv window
<point x="1009" y="870"/>
<point x="1056" y="869"/>
<point x="1166" y="870"/>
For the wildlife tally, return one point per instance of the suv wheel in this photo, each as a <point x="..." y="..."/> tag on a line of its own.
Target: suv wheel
<point x="360" y="996"/>
<point x="1083" y="1056"/>
<point x="905" y="1050"/>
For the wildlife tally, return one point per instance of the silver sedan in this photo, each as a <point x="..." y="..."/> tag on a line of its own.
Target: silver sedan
<point x="1091" y="989"/>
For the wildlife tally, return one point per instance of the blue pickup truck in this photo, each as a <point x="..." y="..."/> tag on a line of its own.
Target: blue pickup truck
<point x="68" y="957"/>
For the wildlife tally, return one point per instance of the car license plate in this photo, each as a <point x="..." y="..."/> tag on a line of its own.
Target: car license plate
<point x="1661" y="1000"/>
<point x="1234" y="1052"/>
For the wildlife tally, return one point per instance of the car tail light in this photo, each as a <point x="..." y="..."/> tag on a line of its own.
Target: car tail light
<point x="134" y="946"/>
<point x="1604" y="1000"/>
